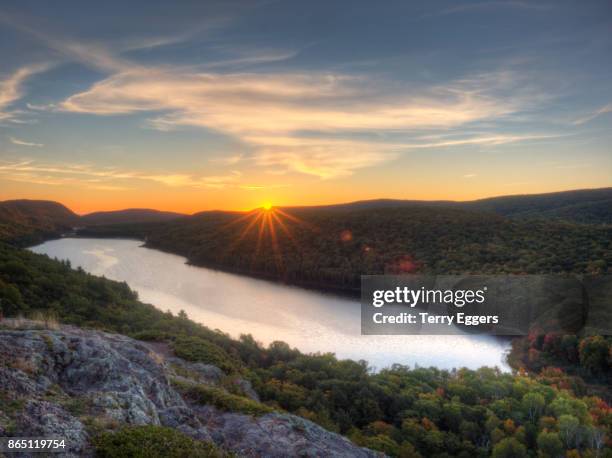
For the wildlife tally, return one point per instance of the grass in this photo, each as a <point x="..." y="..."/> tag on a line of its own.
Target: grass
<point x="152" y="442"/>
<point x="10" y="406"/>
<point x="47" y="319"/>
<point x="221" y="399"/>
<point x="24" y="365"/>
<point x="78" y="406"/>
<point x="196" y="349"/>
<point x="37" y="320"/>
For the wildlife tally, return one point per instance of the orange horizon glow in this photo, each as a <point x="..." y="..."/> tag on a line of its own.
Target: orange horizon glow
<point x="189" y="203"/>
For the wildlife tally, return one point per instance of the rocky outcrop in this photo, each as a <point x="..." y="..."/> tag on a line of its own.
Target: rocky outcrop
<point x="277" y="435"/>
<point x="71" y="383"/>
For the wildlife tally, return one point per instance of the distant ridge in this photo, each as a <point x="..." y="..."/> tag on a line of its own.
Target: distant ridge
<point x="589" y="206"/>
<point x="128" y="216"/>
<point x="28" y="220"/>
<point x="583" y="205"/>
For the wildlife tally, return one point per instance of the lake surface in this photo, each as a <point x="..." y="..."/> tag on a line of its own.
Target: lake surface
<point x="236" y="304"/>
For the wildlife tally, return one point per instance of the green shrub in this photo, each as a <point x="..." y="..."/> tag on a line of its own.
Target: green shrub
<point x="10" y="405"/>
<point x="151" y="335"/>
<point x="152" y="442"/>
<point x="205" y="394"/>
<point x="200" y="350"/>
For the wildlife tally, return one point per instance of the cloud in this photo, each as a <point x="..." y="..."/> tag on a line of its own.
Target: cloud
<point x="603" y="110"/>
<point x="186" y="180"/>
<point x="109" y="178"/>
<point x="272" y="112"/>
<point x="308" y="122"/>
<point x="248" y="57"/>
<point x="573" y="166"/>
<point x="12" y="89"/>
<point x="265" y="103"/>
<point x="532" y="5"/>
<point x="16" y="141"/>
<point x="483" y="139"/>
<point x="470" y="175"/>
<point x="229" y="160"/>
<point x="39" y="107"/>
<point x="324" y="158"/>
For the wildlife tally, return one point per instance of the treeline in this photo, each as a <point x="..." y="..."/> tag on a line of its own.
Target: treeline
<point x="332" y="248"/>
<point x="587" y="356"/>
<point x="401" y="411"/>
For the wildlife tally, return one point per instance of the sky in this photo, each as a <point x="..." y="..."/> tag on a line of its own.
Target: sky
<point x="189" y="106"/>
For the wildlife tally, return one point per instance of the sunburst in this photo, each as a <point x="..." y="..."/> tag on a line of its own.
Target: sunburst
<point x="268" y="223"/>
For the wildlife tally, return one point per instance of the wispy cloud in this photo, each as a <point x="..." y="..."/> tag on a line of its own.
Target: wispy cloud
<point x="276" y="114"/>
<point x="88" y="176"/>
<point x="573" y="166"/>
<point x="16" y="141"/>
<point x="227" y="160"/>
<point x="12" y="89"/>
<point x="531" y="5"/>
<point x="325" y="158"/>
<point x="271" y="112"/>
<point x="483" y="139"/>
<point x="603" y="110"/>
<point x="194" y="181"/>
<point x="248" y="57"/>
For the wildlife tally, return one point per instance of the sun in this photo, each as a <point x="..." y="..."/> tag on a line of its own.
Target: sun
<point x="267" y="206"/>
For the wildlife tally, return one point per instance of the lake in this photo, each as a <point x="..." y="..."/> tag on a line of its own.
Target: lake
<point x="308" y="320"/>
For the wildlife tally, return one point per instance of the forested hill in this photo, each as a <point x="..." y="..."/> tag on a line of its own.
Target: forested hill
<point x="328" y="247"/>
<point x="332" y="246"/>
<point x="128" y="216"/>
<point x="28" y="221"/>
<point x="24" y="222"/>
<point x="587" y="206"/>
<point x="582" y="206"/>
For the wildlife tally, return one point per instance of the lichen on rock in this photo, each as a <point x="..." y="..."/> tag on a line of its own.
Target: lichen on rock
<point x="76" y="384"/>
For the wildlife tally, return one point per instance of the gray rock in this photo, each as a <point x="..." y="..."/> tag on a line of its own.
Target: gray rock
<point x="48" y="420"/>
<point x="63" y="377"/>
<point x="247" y="389"/>
<point x="209" y="372"/>
<point x="278" y="435"/>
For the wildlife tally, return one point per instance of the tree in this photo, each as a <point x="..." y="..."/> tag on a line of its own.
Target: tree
<point x="383" y="443"/>
<point x="597" y="438"/>
<point x="407" y="450"/>
<point x="567" y="405"/>
<point x="509" y="448"/>
<point x="11" y="301"/>
<point x="594" y="353"/>
<point x="533" y="404"/>
<point x="549" y="445"/>
<point x="569" y="427"/>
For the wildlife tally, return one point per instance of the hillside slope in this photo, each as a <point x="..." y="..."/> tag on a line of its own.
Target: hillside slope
<point x="26" y="221"/>
<point x="333" y="247"/>
<point x="128" y="216"/>
<point x="587" y="206"/>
